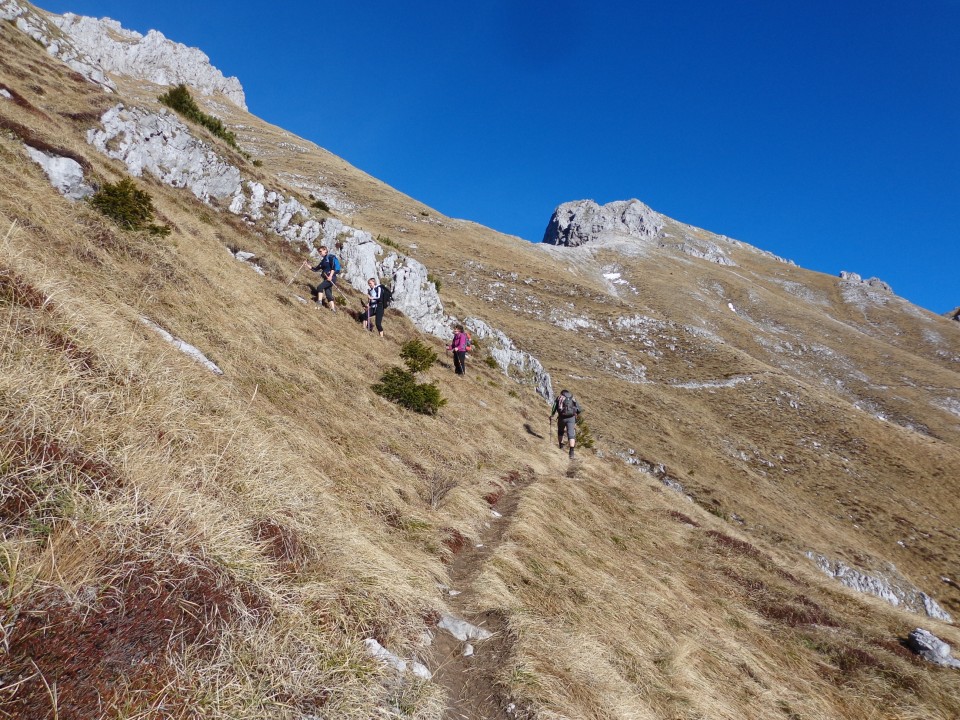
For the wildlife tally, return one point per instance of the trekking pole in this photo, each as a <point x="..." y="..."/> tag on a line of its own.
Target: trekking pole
<point x="290" y="281"/>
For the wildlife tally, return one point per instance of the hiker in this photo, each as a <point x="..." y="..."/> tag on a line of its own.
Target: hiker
<point x="379" y="297"/>
<point x="459" y="348"/>
<point x="566" y="409"/>
<point x="329" y="268"/>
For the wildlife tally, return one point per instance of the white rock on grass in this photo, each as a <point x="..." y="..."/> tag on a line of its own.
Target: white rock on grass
<point x="182" y="346"/>
<point x="6" y="93"/>
<point x="462" y="630"/>
<point x="897" y="593"/>
<point x="159" y="143"/>
<point x="150" y="57"/>
<point x="65" y="174"/>
<point x="931" y="648"/>
<point x="376" y="650"/>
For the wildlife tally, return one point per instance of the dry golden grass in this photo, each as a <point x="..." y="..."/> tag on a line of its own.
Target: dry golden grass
<point x="259" y="525"/>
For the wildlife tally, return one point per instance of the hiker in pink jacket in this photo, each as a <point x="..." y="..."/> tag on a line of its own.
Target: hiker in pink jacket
<point x="459" y="348"/>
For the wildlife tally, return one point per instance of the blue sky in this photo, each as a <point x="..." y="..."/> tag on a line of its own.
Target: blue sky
<point x="826" y="132"/>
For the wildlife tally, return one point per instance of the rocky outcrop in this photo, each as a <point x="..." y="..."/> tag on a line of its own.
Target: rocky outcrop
<point x="954" y="314"/>
<point x="159" y="143"/>
<point x="855" y="279"/>
<point x="64" y="173"/>
<point x="150" y="57"/>
<point x="931" y="648"/>
<point x="584" y="221"/>
<point x="286" y="216"/>
<point x="894" y="589"/>
<point x="40" y="29"/>
<point x="513" y="362"/>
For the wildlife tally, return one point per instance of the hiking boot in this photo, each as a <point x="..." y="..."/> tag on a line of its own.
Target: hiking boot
<point x="571" y="453"/>
<point x="560" y="444"/>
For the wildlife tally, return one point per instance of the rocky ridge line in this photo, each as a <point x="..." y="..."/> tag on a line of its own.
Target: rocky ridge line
<point x="150" y="57"/>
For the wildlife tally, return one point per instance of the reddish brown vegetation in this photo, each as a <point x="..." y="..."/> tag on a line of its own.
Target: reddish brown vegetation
<point x="17" y="291"/>
<point x="779" y="606"/>
<point x="455" y="540"/>
<point x="680" y="517"/>
<point x="282" y="545"/>
<point x="31" y="138"/>
<point x="115" y="650"/>
<point x="739" y="546"/>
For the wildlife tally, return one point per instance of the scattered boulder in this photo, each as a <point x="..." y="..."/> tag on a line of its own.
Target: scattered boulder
<point x="931" y="648"/>
<point x="150" y="57"/>
<point x="462" y="630"/>
<point x="159" y="143"/>
<point x="64" y="173"/>
<point x="584" y="221"/>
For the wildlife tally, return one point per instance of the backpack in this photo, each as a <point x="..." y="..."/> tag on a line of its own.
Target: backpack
<point x="469" y="344"/>
<point x="335" y="263"/>
<point x="567" y="406"/>
<point x="386" y="296"/>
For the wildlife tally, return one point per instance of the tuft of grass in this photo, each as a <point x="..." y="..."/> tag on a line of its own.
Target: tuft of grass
<point x="180" y="100"/>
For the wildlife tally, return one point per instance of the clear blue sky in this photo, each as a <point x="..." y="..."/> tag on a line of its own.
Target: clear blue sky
<point x="824" y="131"/>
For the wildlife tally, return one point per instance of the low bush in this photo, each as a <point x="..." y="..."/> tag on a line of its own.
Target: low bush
<point x="128" y="206"/>
<point x="584" y="434"/>
<point x="435" y="280"/>
<point x="180" y="100"/>
<point x="321" y="205"/>
<point x="400" y="386"/>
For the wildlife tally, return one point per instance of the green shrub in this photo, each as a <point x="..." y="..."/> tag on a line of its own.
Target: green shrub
<point x="258" y="163"/>
<point x="400" y="386"/>
<point x="180" y="100"/>
<point x="417" y="356"/>
<point x="128" y="206"/>
<point x="435" y="280"/>
<point x="584" y="435"/>
<point x="321" y="205"/>
<point x="384" y="240"/>
<point x="491" y="362"/>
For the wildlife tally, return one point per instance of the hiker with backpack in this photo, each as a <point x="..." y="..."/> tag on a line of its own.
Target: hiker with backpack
<point x="566" y="409"/>
<point x="379" y="298"/>
<point x="459" y="347"/>
<point x="329" y="268"/>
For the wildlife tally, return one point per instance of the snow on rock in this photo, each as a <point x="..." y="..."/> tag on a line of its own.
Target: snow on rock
<point x="379" y="652"/>
<point x="899" y="593"/>
<point x="462" y="630"/>
<point x="182" y="346"/>
<point x="65" y="174"/>
<point x="159" y="143"/>
<point x="150" y="57"/>
<point x="584" y="221"/>
<point x="931" y="648"/>
<point x="510" y="358"/>
<point x="37" y="26"/>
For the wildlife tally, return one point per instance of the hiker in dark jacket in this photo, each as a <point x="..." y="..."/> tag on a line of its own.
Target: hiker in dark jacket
<point x="375" y="305"/>
<point x="459" y="348"/>
<point x="566" y="409"/>
<point x="328" y="267"/>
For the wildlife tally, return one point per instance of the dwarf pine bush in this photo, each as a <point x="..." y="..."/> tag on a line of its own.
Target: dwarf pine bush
<point x="584" y="434"/>
<point x="400" y="386"/>
<point x="128" y="206"/>
<point x="180" y="100"/>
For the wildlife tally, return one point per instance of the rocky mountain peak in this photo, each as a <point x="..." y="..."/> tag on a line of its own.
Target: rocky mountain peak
<point x="150" y="57"/>
<point x="584" y="221"/>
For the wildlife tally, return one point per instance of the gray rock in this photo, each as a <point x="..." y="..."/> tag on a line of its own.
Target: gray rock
<point x="160" y="144"/>
<point x="954" y="314"/>
<point x="584" y="221"/>
<point x="850" y="277"/>
<point x="150" y="57"/>
<point x="931" y="648"/>
<point x="896" y="590"/>
<point x="36" y="25"/>
<point x="512" y="361"/>
<point x="183" y="346"/>
<point x="65" y="174"/>
<point x="379" y="652"/>
<point x="873" y="282"/>
<point x="462" y="630"/>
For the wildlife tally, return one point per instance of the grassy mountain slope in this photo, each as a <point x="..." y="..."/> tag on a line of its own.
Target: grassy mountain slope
<point x="179" y="544"/>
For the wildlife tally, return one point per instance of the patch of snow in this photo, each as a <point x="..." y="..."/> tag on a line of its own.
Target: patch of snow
<point x="376" y="650"/>
<point x="182" y="346"/>
<point x="462" y="630"/>
<point x="706" y="384"/>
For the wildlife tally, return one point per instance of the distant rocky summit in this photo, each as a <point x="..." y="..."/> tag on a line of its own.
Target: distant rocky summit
<point x="150" y="57"/>
<point x="954" y="314"/>
<point x="584" y="221"/>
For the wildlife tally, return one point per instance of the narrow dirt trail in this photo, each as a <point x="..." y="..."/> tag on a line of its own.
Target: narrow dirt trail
<point x="470" y="681"/>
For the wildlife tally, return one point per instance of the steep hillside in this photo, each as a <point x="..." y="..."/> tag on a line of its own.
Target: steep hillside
<point x="262" y="535"/>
